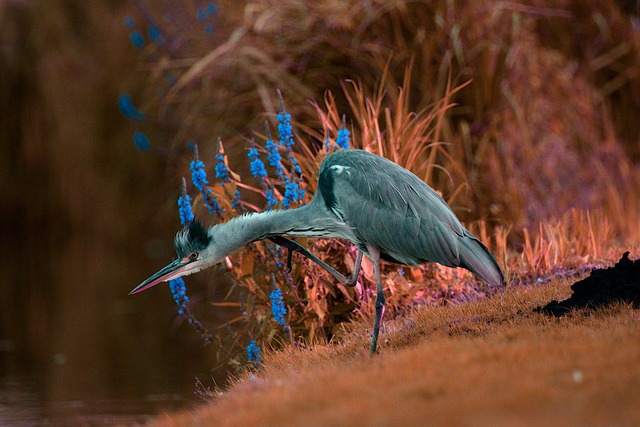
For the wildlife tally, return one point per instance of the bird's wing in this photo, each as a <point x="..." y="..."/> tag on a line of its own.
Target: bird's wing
<point x="390" y="208"/>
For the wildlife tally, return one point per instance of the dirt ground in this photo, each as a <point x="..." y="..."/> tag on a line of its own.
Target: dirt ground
<point x="508" y="360"/>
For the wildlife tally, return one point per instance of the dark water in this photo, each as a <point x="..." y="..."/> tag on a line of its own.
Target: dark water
<point x="95" y="373"/>
<point x="84" y="218"/>
<point x="22" y="404"/>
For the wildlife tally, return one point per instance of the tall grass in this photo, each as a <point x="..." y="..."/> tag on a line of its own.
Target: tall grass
<point x="475" y="98"/>
<point x="525" y="152"/>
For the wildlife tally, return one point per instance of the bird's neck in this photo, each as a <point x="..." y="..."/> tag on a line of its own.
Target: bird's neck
<point x="312" y="220"/>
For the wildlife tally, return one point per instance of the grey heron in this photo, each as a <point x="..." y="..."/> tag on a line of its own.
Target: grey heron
<point x="382" y="208"/>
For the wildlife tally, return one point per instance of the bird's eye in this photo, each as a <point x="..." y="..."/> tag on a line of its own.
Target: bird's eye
<point x="193" y="255"/>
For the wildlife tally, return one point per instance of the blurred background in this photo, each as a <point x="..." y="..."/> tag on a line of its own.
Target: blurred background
<point x="548" y="123"/>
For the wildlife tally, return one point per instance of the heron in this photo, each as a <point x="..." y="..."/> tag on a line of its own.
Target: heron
<point x="384" y="209"/>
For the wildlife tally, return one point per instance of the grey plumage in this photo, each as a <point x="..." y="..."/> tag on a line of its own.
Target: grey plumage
<point x="392" y="209"/>
<point x="384" y="209"/>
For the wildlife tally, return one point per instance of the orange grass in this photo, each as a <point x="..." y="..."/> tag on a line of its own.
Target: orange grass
<point x="547" y="125"/>
<point x="537" y="157"/>
<point x="490" y="362"/>
<point x="384" y="124"/>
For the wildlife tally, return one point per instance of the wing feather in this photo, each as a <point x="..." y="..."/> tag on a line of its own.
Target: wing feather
<point x="391" y="208"/>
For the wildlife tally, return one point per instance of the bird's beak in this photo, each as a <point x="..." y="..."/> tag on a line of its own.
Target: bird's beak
<point x="178" y="268"/>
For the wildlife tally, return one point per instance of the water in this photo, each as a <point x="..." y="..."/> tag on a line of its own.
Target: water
<point x="76" y="349"/>
<point x="22" y="404"/>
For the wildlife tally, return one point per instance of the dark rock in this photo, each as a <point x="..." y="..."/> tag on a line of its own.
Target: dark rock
<point x="620" y="283"/>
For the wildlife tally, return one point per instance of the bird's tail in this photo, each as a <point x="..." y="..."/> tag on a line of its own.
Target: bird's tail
<point x="475" y="257"/>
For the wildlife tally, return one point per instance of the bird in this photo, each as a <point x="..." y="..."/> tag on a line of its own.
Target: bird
<point x="388" y="212"/>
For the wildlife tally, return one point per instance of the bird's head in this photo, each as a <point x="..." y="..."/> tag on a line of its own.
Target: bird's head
<point x="194" y="247"/>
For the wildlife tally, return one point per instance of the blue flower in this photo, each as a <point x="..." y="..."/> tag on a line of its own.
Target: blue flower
<point x="343" y="138"/>
<point x="222" y="172"/>
<point x="273" y="156"/>
<point x="125" y="104"/>
<point x="253" y="352"/>
<point x="179" y="293"/>
<point x="129" y="22"/>
<point x="285" y="132"/>
<point x="276" y="255"/>
<point x="184" y="209"/>
<point x="155" y="35"/>
<point x="401" y="271"/>
<point x="253" y="153"/>
<point x="257" y="166"/>
<point x="271" y="198"/>
<point x="291" y="193"/>
<point x="278" y="310"/>
<point x="208" y="29"/>
<point x="184" y="205"/>
<point x="198" y="175"/>
<point x="205" y="11"/>
<point x="137" y="39"/>
<point x="236" y="199"/>
<point x="141" y="141"/>
<point x="199" y="178"/>
<point x="258" y="170"/>
<point x="294" y="163"/>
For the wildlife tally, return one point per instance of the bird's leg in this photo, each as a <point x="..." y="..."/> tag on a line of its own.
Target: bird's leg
<point x="353" y="279"/>
<point x="289" y="258"/>
<point x="374" y="254"/>
<point x="290" y="245"/>
<point x="295" y="246"/>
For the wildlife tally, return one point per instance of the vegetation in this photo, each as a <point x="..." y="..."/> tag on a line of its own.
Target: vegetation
<point x="523" y="114"/>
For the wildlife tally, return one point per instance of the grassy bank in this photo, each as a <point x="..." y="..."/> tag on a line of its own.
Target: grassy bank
<point x="496" y="361"/>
